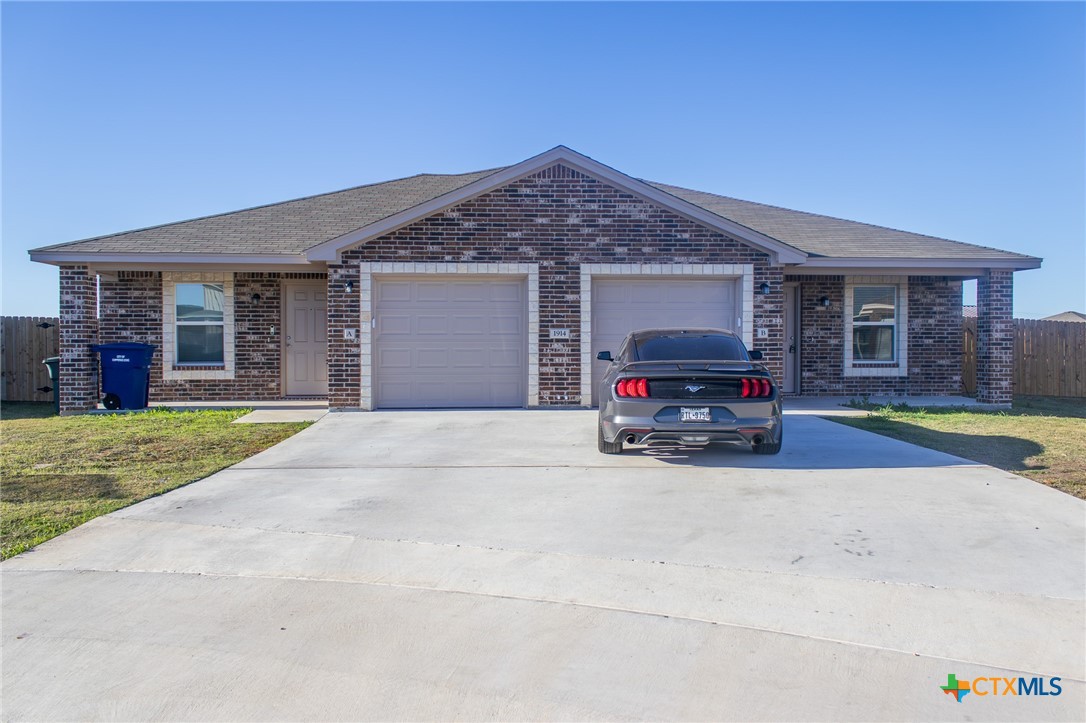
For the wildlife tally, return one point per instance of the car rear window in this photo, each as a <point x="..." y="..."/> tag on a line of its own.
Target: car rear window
<point x="691" y="348"/>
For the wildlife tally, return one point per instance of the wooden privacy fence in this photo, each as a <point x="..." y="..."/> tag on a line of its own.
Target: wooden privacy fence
<point x="1049" y="357"/>
<point x="23" y="344"/>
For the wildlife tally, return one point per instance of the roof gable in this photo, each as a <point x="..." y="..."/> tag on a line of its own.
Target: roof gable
<point x="780" y="252"/>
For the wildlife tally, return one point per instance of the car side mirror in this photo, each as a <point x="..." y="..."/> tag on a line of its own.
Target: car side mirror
<point x="604" y="356"/>
<point x="755" y="355"/>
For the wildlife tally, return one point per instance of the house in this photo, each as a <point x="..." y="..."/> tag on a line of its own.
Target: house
<point x="1066" y="316"/>
<point x="498" y="288"/>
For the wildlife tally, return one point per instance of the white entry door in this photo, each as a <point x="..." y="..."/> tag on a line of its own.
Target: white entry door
<point x="306" y="340"/>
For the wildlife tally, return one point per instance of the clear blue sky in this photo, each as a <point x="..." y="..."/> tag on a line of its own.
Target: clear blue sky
<point x="959" y="120"/>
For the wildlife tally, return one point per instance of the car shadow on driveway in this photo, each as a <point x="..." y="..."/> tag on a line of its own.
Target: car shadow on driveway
<point x="809" y="444"/>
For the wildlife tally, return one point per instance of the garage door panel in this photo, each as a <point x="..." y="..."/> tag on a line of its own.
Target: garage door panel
<point x="506" y="326"/>
<point x="469" y="292"/>
<point x="620" y="306"/>
<point x="506" y="291"/>
<point x="609" y="293"/>
<point x="394" y="324"/>
<point x="467" y="358"/>
<point x="463" y="345"/>
<point x="390" y="291"/>
<point x="432" y="358"/>
<point x="506" y="359"/>
<point x="431" y="292"/>
<point x="394" y="358"/>
<point x="473" y="325"/>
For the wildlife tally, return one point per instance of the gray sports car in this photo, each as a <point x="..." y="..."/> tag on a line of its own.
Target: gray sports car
<point x="689" y="387"/>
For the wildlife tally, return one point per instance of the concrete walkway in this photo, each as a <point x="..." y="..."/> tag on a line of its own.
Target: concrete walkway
<point x="492" y="565"/>
<point x="264" y="412"/>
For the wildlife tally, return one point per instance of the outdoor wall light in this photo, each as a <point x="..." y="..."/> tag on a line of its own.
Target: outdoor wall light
<point x="824" y="301"/>
<point x="255" y="298"/>
<point x="349" y="287"/>
<point x="764" y="288"/>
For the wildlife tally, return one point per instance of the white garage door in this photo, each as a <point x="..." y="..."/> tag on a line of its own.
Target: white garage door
<point x="449" y="341"/>
<point x="620" y="306"/>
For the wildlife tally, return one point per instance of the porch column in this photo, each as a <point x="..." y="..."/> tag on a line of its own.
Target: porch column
<point x="995" y="337"/>
<point x="78" y="330"/>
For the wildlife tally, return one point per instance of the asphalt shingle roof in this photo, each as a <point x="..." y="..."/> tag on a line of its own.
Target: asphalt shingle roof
<point x="289" y="227"/>
<point x="828" y="236"/>
<point x="292" y="227"/>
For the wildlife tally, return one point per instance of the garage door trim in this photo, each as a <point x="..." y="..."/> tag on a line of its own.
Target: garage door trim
<point x="743" y="272"/>
<point x="367" y="304"/>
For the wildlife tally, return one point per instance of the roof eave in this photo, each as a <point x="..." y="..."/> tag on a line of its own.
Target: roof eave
<point x="780" y="252"/>
<point x="931" y="264"/>
<point x="63" y="258"/>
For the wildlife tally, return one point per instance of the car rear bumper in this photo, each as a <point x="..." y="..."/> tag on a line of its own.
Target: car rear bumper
<point x="642" y="422"/>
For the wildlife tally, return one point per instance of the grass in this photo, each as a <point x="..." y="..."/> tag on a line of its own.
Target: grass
<point x="1041" y="438"/>
<point x="58" y="472"/>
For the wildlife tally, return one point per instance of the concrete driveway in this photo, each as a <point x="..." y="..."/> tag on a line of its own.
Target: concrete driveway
<point x="479" y="565"/>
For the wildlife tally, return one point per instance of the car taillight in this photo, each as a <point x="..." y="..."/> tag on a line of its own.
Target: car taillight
<point x="632" y="388"/>
<point x="755" y="387"/>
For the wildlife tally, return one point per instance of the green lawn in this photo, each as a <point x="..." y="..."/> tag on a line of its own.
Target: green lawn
<point x="58" y="472"/>
<point x="1041" y="438"/>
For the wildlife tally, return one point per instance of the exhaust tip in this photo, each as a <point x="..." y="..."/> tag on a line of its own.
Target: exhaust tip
<point x="630" y="439"/>
<point x="758" y="439"/>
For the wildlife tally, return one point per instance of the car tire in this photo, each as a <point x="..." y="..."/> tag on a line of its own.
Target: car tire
<point x="770" y="448"/>
<point x="608" y="447"/>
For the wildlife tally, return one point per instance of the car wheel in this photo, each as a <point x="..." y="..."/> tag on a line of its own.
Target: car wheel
<point x="770" y="448"/>
<point x="608" y="447"/>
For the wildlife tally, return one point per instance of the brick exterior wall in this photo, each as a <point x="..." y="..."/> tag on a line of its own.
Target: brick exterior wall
<point x="78" y="330"/>
<point x="935" y="340"/>
<point x="344" y="357"/>
<point x="558" y="219"/>
<point x="995" y="337"/>
<point x="131" y="310"/>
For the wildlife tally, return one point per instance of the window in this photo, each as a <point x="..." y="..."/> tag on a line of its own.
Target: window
<point x="199" y="319"/>
<point x="691" y="348"/>
<point x="874" y="323"/>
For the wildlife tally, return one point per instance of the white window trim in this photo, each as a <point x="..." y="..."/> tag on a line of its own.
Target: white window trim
<point x="745" y="272"/>
<point x="900" y="366"/>
<point x="366" y="271"/>
<point x="170" y="279"/>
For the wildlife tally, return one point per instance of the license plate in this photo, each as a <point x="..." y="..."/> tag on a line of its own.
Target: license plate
<point x="695" y="414"/>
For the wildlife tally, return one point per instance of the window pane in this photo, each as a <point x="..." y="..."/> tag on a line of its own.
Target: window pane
<point x="199" y="302"/>
<point x="873" y="303"/>
<point x="691" y="348"/>
<point x="199" y="344"/>
<point x="873" y="343"/>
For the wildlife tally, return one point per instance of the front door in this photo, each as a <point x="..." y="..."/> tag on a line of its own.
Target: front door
<point x="306" y="341"/>
<point x="790" y="383"/>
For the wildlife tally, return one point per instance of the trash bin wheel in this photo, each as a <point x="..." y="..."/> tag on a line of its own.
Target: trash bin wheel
<point x="112" y="401"/>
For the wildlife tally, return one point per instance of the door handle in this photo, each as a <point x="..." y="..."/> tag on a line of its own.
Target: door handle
<point x="288" y="341"/>
<point x="791" y="348"/>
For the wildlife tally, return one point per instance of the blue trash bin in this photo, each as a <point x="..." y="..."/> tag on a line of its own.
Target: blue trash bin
<point x="126" y="374"/>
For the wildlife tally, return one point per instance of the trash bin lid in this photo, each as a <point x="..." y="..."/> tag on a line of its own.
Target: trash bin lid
<point x="121" y="345"/>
